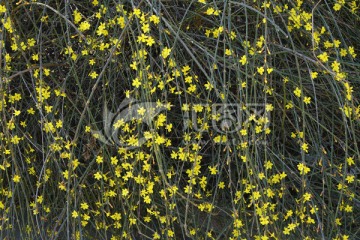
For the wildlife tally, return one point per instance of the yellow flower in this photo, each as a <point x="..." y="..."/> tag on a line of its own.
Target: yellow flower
<point x="48" y="109"/>
<point x="335" y="66"/>
<point x="102" y="30"/>
<point x="213" y="170"/>
<point x="197" y="107"/>
<point x="35" y="57"/>
<point x="269" y="107"/>
<point x="297" y="92"/>
<point x="125" y="192"/>
<point x="337" y="7"/>
<point x="350" y="161"/>
<point x="77" y="16"/>
<point x="243" y="60"/>
<point x="347" y="111"/>
<point x="314" y="75"/>
<point x="136" y="83"/>
<point x="137" y="12"/>
<point x="350" y="178"/>
<point x="99" y="159"/>
<point x="147" y="199"/>
<point x="160" y="140"/>
<point x="84" y="206"/>
<point x="348" y="208"/>
<point x="185" y="107"/>
<point x="260" y="70"/>
<point x="150" y="41"/>
<point x="268" y="165"/>
<point x="15" y="140"/>
<point x="16" y="178"/>
<point x="93" y="75"/>
<point x="208" y="86"/>
<point x="338" y="221"/>
<point x="154" y="19"/>
<point x="228" y="52"/>
<point x="289" y="105"/>
<point x="306" y="197"/>
<point x="351" y="51"/>
<point x="305" y="147"/>
<point x="74" y="214"/>
<point x="307" y="100"/>
<point x="210" y="11"/>
<point x="141" y="38"/>
<point x="2" y="9"/>
<point x="343" y="52"/>
<point x="324" y="57"/>
<point x="337" y="43"/>
<point x="97" y="176"/>
<point x="170" y="233"/>
<point x="85" y="25"/>
<point x="165" y="52"/>
<point x="303" y="169"/>
<point x="264" y="220"/>
<point x="328" y="44"/>
<point x="145" y="28"/>
<point x="141" y="111"/>
<point x="59" y="124"/>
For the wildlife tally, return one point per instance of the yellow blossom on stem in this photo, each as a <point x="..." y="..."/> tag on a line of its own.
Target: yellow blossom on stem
<point x="303" y="169"/>
<point x="16" y="178"/>
<point x="165" y="52"/>
<point x="324" y="57"/>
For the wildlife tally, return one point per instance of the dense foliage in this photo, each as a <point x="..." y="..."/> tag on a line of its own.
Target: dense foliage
<point x="178" y="119"/>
